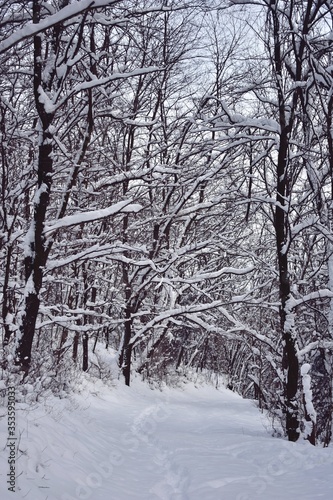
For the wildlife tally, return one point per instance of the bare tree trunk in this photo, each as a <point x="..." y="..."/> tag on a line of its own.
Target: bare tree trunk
<point x="126" y="347"/>
<point x="85" y="358"/>
<point x="75" y="346"/>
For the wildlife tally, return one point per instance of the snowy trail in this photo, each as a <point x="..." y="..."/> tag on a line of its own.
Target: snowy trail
<point x="179" y="444"/>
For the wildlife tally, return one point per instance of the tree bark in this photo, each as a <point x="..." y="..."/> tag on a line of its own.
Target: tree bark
<point x="290" y="363"/>
<point x="36" y="251"/>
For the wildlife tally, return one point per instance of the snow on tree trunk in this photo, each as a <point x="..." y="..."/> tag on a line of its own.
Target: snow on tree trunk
<point x="309" y="411"/>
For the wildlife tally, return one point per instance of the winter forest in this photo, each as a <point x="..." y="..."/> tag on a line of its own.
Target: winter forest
<point x="167" y="195"/>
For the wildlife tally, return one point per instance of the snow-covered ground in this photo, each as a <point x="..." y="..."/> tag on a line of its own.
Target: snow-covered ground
<point x="190" y="443"/>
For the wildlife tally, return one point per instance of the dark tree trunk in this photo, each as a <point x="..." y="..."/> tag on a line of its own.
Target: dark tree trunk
<point x="35" y="260"/>
<point x="126" y="350"/>
<point x="36" y="253"/>
<point x="126" y="347"/>
<point x="290" y="363"/>
<point x="61" y="349"/>
<point x="5" y="298"/>
<point x="75" y="346"/>
<point x="85" y="339"/>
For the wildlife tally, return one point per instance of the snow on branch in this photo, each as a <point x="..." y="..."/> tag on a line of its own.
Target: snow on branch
<point x="51" y="107"/>
<point x="217" y="274"/>
<point x="191" y="314"/>
<point x="97" y="82"/>
<point x="308" y="222"/>
<point x="324" y="293"/>
<point x="112" y="251"/>
<point x="64" y="14"/>
<point x="171" y="313"/>
<point x="239" y="120"/>
<point x="313" y="346"/>
<point x="72" y="220"/>
<point x="245" y="2"/>
<point x="74" y="9"/>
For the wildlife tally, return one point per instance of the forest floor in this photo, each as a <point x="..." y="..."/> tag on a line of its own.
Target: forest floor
<point x="194" y="442"/>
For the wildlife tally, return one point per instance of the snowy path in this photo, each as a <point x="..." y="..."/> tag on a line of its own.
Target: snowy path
<point x="127" y="444"/>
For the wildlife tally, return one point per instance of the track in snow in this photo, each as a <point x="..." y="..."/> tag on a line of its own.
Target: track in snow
<point x="140" y="444"/>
